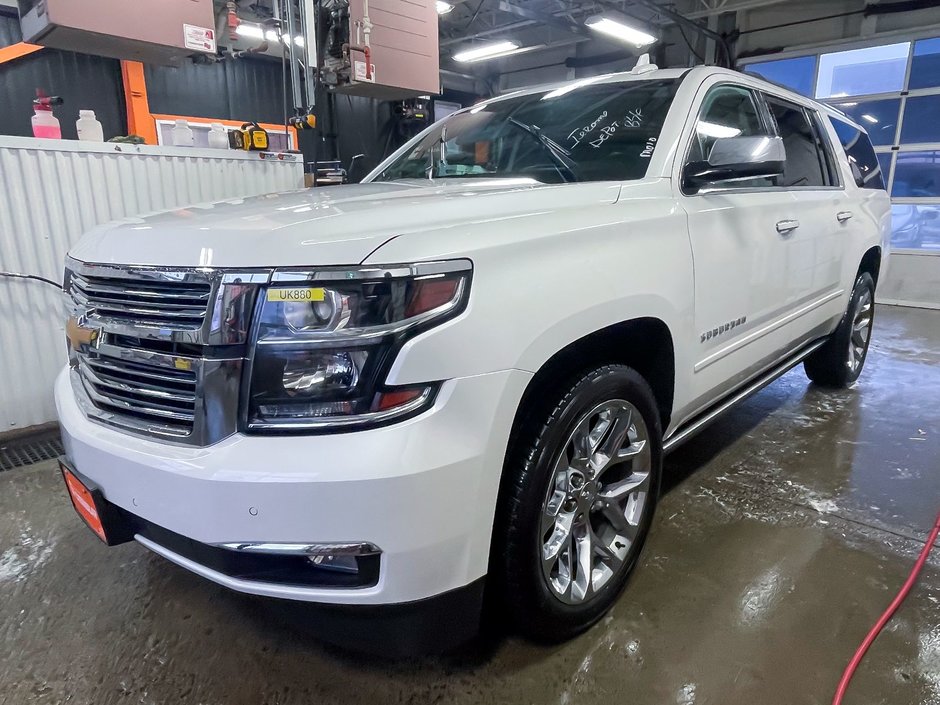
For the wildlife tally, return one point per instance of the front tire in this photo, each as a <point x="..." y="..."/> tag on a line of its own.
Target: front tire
<point x="578" y="500"/>
<point x="839" y="362"/>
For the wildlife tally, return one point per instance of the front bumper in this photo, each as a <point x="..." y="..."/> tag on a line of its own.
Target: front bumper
<point x="424" y="490"/>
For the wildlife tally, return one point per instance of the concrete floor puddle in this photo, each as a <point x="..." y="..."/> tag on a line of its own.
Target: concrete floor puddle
<point x="784" y="531"/>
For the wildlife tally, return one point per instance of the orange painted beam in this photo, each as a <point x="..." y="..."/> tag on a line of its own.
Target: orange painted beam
<point x="139" y="120"/>
<point x="15" y="51"/>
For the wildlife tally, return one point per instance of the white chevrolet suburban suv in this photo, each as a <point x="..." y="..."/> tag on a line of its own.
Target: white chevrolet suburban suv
<point x="465" y="371"/>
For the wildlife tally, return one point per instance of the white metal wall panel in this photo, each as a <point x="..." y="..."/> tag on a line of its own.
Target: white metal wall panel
<point x="51" y="192"/>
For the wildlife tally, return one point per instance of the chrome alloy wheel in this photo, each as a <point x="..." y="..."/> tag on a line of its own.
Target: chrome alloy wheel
<point x="596" y="501"/>
<point x="861" y="330"/>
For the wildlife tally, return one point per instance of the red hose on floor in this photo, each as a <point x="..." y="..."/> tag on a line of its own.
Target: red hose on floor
<point x="883" y="620"/>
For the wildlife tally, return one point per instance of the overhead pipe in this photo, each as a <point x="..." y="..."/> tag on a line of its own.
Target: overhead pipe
<point x="308" y="30"/>
<point x="363" y="32"/>
<point x="886" y="8"/>
<point x="294" y="73"/>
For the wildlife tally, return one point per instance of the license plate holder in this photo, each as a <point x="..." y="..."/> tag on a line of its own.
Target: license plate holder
<point x="99" y="515"/>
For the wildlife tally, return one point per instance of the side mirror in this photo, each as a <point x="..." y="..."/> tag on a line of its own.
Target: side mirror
<point x="736" y="159"/>
<point x="353" y="163"/>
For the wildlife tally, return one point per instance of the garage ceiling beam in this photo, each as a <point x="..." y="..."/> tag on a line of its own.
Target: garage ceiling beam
<point x="712" y="9"/>
<point x="560" y="21"/>
<point x="513" y="26"/>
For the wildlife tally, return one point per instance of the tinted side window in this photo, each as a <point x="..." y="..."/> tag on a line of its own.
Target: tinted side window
<point x="805" y="164"/>
<point x="727" y="111"/>
<point x="833" y="174"/>
<point x="861" y="155"/>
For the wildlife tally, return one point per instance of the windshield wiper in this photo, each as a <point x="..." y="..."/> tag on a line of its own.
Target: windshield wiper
<point x="559" y="154"/>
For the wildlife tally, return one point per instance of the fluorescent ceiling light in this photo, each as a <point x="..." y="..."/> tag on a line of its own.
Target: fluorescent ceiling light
<point x="489" y="51"/>
<point x="443" y="7"/>
<point x="871" y="118"/>
<point x="619" y="30"/>
<point x="711" y="129"/>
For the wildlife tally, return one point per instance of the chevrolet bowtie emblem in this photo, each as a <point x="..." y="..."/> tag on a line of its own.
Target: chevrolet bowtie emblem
<point x="78" y="335"/>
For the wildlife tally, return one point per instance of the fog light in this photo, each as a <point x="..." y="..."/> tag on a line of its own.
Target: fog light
<point x="341" y="564"/>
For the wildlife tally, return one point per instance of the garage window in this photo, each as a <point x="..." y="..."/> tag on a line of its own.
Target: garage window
<point x="917" y="175"/>
<point x="796" y="74"/>
<point x="925" y="64"/>
<point x="863" y="71"/>
<point x="921" y="120"/>
<point x="893" y="92"/>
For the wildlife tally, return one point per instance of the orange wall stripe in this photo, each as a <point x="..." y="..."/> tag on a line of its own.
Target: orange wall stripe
<point x="15" y="51"/>
<point x="269" y="126"/>
<point x="139" y="120"/>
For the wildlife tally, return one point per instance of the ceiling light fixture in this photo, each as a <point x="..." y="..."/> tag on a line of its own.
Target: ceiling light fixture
<point x="252" y="31"/>
<point x="443" y="7"/>
<point x="871" y="118"/>
<point x="255" y="31"/>
<point x="619" y="30"/>
<point x="489" y="51"/>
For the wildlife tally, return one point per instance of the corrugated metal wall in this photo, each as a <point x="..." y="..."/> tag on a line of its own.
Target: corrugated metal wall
<point x="49" y="195"/>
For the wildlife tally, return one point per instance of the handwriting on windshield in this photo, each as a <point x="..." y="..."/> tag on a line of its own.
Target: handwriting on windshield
<point x="648" y="149"/>
<point x="605" y="134"/>
<point x="578" y="134"/>
<point x="634" y="118"/>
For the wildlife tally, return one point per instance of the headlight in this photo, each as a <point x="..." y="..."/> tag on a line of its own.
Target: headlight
<point x="324" y="342"/>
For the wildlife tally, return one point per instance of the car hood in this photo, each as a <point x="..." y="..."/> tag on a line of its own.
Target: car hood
<point x="325" y="226"/>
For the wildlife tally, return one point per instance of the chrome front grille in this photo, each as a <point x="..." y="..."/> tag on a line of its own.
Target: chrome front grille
<point x="159" y="352"/>
<point x="167" y="303"/>
<point x="161" y="398"/>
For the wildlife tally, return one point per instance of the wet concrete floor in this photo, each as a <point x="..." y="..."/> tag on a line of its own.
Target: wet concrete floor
<point x="786" y="529"/>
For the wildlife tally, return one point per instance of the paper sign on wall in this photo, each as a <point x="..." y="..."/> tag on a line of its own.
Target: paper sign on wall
<point x="359" y="72"/>
<point x="199" y="38"/>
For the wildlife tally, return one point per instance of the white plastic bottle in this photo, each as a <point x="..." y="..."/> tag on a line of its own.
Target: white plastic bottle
<point x="88" y="126"/>
<point x="182" y="134"/>
<point x="45" y="124"/>
<point x="218" y="136"/>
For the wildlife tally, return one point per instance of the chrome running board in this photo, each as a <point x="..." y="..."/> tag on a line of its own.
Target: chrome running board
<point x="696" y="424"/>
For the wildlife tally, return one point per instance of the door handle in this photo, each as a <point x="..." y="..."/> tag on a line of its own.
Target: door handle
<point x="843" y="216"/>
<point x="787" y="226"/>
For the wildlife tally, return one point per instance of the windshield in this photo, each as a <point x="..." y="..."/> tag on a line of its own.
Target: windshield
<point x="579" y="132"/>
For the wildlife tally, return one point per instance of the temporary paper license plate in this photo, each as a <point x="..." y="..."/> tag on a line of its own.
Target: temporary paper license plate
<point x="296" y="293"/>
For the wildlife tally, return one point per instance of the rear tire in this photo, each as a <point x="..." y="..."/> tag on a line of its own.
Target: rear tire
<point x="577" y="502"/>
<point x="839" y="362"/>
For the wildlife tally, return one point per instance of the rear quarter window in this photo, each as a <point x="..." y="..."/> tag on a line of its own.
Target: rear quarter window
<point x="861" y="155"/>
